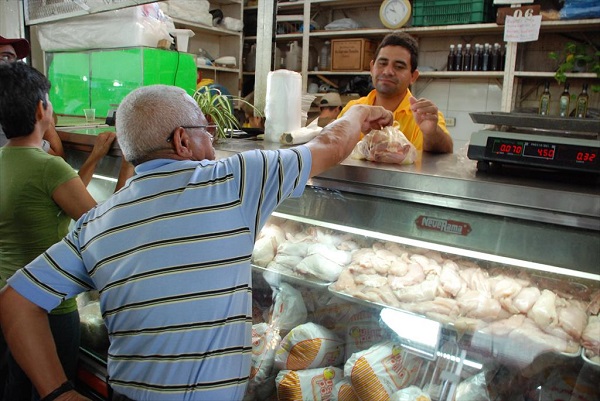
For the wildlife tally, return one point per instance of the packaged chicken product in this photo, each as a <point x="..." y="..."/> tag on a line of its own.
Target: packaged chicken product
<point x="343" y="391"/>
<point x="387" y="145"/>
<point x="265" y="339"/>
<point x="411" y="393"/>
<point x="289" y="309"/>
<point x="309" y="346"/>
<point x="363" y="331"/>
<point x="382" y="370"/>
<point x="310" y="384"/>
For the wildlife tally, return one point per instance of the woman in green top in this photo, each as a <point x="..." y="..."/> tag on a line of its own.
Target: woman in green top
<point x="39" y="195"/>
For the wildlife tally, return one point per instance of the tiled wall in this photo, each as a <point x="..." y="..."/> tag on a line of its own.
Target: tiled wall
<point x="456" y="98"/>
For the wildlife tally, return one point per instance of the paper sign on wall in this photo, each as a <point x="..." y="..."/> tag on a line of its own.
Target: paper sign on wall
<point x="522" y="29"/>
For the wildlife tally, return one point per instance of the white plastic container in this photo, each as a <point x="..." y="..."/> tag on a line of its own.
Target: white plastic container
<point x="293" y="58"/>
<point x="283" y="109"/>
<point x="183" y="37"/>
<point x="325" y="57"/>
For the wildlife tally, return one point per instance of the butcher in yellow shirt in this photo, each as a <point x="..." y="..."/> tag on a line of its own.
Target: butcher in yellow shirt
<point x="393" y="70"/>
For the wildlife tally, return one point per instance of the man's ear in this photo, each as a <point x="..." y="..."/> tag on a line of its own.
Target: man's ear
<point x="181" y="141"/>
<point x="40" y="111"/>
<point x="414" y="76"/>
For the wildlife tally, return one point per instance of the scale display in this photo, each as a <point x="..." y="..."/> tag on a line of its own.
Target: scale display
<point x="541" y="152"/>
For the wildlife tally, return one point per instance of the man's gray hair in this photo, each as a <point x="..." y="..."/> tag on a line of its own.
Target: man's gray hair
<point x="147" y="116"/>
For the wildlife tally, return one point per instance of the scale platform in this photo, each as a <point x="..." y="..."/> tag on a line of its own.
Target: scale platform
<point x="532" y="141"/>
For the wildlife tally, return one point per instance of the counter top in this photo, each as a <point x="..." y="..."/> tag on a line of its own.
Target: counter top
<point x="452" y="180"/>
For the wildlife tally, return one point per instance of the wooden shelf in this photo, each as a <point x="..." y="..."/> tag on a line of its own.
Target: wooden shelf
<point x="198" y="27"/>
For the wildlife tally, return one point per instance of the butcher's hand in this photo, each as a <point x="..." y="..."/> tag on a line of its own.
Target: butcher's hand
<point x="372" y="117"/>
<point x="426" y="116"/>
<point x="425" y="113"/>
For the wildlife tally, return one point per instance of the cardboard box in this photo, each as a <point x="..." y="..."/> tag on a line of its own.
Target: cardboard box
<point x="352" y="54"/>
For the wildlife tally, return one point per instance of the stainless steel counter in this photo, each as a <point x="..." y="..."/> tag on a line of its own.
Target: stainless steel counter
<point x="452" y="180"/>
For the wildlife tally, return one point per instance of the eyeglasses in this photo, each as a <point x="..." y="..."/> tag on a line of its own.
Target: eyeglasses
<point x="6" y="56"/>
<point x="210" y="129"/>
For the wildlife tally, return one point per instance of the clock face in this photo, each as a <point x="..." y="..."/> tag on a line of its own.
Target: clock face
<point x="394" y="13"/>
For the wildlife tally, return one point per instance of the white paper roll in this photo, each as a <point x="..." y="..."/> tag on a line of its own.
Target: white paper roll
<point x="283" y="107"/>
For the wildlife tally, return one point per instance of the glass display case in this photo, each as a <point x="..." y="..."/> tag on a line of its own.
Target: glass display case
<point x="390" y="282"/>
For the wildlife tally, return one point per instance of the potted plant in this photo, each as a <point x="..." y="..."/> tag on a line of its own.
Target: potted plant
<point x="576" y="57"/>
<point x="218" y="108"/>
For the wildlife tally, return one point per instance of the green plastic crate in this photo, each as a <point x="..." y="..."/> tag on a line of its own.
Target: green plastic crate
<point x="451" y="12"/>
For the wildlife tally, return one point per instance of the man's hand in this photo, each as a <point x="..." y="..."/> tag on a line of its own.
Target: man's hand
<point x="72" y="396"/>
<point x="372" y="117"/>
<point x="425" y="113"/>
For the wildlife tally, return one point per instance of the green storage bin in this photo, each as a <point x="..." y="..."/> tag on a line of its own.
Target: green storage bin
<point x="452" y="12"/>
<point x="98" y="78"/>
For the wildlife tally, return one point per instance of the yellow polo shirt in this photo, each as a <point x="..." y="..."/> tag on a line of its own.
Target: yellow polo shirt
<point x="404" y="115"/>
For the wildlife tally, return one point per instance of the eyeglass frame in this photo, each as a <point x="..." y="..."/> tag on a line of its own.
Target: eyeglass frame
<point x="202" y="127"/>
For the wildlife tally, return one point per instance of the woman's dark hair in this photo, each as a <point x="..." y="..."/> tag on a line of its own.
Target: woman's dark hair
<point x="21" y="89"/>
<point x="401" y="39"/>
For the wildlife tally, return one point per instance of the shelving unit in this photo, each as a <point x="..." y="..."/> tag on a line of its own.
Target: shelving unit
<point x="218" y="42"/>
<point x="433" y="46"/>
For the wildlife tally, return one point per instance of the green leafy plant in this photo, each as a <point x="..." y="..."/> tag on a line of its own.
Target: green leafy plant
<point x="218" y="109"/>
<point x="576" y="57"/>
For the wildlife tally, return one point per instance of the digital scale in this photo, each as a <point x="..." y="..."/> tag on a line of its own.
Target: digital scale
<point x="527" y="140"/>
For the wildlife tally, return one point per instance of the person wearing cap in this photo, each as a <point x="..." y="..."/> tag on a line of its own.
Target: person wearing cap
<point x="13" y="49"/>
<point x="330" y="106"/>
<point x="393" y="70"/>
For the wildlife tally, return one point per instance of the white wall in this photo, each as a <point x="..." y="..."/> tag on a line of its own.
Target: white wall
<point x="11" y="19"/>
<point x="456" y="98"/>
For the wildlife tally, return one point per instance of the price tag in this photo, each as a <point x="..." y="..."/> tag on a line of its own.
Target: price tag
<point x="524" y="11"/>
<point x="522" y="29"/>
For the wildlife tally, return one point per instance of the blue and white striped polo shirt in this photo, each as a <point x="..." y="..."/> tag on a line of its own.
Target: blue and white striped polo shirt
<point x="170" y="255"/>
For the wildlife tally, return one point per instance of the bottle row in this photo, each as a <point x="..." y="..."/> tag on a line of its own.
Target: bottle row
<point x="581" y="102"/>
<point x="478" y="58"/>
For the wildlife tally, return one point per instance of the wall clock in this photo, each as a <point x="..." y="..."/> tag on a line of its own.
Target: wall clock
<point x="394" y="13"/>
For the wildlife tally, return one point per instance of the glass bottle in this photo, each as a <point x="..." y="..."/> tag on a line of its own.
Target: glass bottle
<point x="468" y="59"/>
<point x="477" y="57"/>
<point x="564" y="102"/>
<point x="451" y="58"/>
<point x="459" y="58"/>
<point x="545" y="100"/>
<point x="581" y="104"/>
<point x="485" y="60"/>
<point x="495" y="62"/>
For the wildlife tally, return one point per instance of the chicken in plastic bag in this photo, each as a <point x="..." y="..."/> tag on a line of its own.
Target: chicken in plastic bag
<point x="411" y="393"/>
<point x="387" y="145"/>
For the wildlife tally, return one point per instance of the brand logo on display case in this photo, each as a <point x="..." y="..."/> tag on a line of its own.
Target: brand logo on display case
<point x="443" y="225"/>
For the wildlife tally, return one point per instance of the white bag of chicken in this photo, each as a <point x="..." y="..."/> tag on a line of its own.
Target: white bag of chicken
<point x="382" y="370"/>
<point x="265" y="339"/>
<point x="289" y="309"/>
<point x="343" y="391"/>
<point x="309" y="346"/>
<point x="387" y="145"/>
<point x="310" y="384"/>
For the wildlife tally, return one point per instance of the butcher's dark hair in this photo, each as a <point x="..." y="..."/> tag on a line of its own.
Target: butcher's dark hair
<point x="21" y="89"/>
<point x="401" y="39"/>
